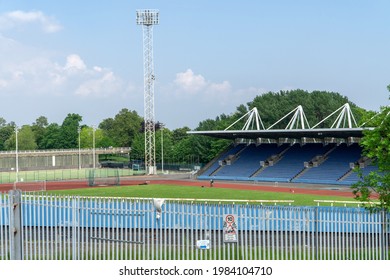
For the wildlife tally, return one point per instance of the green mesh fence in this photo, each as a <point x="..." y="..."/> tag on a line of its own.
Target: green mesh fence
<point x="63" y="174"/>
<point x="106" y="177"/>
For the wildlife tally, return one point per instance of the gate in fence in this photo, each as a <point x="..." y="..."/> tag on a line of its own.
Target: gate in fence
<point x="47" y="227"/>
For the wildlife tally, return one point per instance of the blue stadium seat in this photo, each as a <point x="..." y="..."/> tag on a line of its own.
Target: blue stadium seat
<point x="354" y="176"/>
<point x="234" y="150"/>
<point x="246" y="164"/>
<point x="292" y="162"/>
<point x="248" y="161"/>
<point x="334" y="167"/>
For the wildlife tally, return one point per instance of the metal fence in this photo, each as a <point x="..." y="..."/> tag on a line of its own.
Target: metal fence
<point x="62" y="174"/>
<point x="47" y="227"/>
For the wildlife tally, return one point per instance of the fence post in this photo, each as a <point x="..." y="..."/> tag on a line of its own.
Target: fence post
<point x="384" y="234"/>
<point x="316" y="248"/>
<point x="15" y="226"/>
<point x="75" y="224"/>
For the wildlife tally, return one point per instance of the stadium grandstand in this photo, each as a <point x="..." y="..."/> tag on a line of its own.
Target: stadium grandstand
<point x="297" y="154"/>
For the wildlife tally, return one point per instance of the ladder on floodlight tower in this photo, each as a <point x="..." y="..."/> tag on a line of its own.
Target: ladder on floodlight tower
<point x="253" y="122"/>
<point x="297" y="121"/>
<point x="345" y="118"/>
<point x="148" y="18"/>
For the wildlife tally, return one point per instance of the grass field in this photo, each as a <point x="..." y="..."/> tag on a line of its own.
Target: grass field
<point x="186" y="192"/>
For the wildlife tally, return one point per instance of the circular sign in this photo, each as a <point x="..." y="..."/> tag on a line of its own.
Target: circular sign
<point x="229" y="219"/>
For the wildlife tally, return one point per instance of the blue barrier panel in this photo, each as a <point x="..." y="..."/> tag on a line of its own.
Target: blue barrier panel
<point x="102" y="213"/>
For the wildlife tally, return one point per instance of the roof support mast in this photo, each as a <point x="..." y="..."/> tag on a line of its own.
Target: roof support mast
<point x="344" y="127"/>
<point x="253" y="119"/>
<point x="344" y="116"/>
<point x="299" y="118"/>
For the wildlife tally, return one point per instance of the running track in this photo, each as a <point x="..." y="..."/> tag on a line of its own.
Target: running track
<point x="293" y="189"/>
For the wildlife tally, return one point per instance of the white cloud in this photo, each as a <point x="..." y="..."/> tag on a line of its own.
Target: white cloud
<point x="223" y="87"/>
<point x="3" y="83"/>
<point x="16" y="18"/>
<point x="194" y="91"/>
<point x="74" y="63"/>
<point x="25" y="77"/>
<point x="214" y="99"/>
<point x="189" y="82"/>
<point x="45" y="82"/>
<point x="100" y="87"/>
<point x="25" y="72"/>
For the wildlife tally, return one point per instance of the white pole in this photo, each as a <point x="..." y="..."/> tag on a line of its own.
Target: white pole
<point x="94" y="156"/>
<point x="162" y="149"/>
<point x="79" y="131"/>
<point x="17" y="155"/>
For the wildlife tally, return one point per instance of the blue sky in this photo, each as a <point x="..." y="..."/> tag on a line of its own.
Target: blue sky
<point x="85" y="57"/>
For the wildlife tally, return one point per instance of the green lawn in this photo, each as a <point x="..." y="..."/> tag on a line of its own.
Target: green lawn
<point x="186" y="192"/>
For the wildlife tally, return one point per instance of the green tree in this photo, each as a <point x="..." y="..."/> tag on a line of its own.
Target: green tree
<point x="87" y="135"/>
<point x="179" y="134"/>
<point x="69" y="131"/>
<point x="164" y="144"/>
<point x="122" y="128"/>
<point x="138" y="147"/>
<point x="3" y="122"/>
<point x="182" y="151"/>
<point x="208" y="148"/>
<point x="162" y="137"/>
<point x="376" y="146"/>
<point x="26" y="139"/>
<point x="6" y="130"/>
<point x="39" y="127"/>
<point x="51" y="138"/>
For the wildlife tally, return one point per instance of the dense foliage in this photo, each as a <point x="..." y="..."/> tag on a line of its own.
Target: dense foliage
<point x="376" y="146"/>
<point x="125" y="128"/>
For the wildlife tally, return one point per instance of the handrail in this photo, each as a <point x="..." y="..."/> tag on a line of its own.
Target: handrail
<point x="169" y="199"/>
<point x="64" y="150"/>
<point x="343" y="202"/>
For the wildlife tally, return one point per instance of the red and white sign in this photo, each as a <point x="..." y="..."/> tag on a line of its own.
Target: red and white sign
<point x="230" y="232"/>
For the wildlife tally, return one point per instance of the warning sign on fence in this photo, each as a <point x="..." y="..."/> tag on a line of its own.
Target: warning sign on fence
<point x="230" y="233"/>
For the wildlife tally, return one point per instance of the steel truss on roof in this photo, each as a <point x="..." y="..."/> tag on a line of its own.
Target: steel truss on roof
<point x="344" y="127"/>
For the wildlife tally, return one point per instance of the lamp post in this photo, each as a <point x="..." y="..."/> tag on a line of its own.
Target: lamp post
<point x="16" y="154"/>
<point x="93" y="147"/>
<point x="79" y="131"/>
<point x="162" y="148"/>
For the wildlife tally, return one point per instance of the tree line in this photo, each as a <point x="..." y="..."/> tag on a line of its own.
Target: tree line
<point x="125" y="128"/>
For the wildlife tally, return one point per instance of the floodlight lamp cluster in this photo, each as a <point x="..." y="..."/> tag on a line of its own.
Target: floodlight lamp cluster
<point x="147" y="17"/>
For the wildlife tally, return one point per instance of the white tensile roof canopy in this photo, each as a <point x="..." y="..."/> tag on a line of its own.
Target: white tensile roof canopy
<point x="344" y="126"/>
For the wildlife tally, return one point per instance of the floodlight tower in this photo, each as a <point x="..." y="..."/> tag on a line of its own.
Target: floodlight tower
<point x="148" y="18"/>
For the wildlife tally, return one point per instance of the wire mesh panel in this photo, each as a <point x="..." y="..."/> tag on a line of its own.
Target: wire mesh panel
<point x="107" y="177"/>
